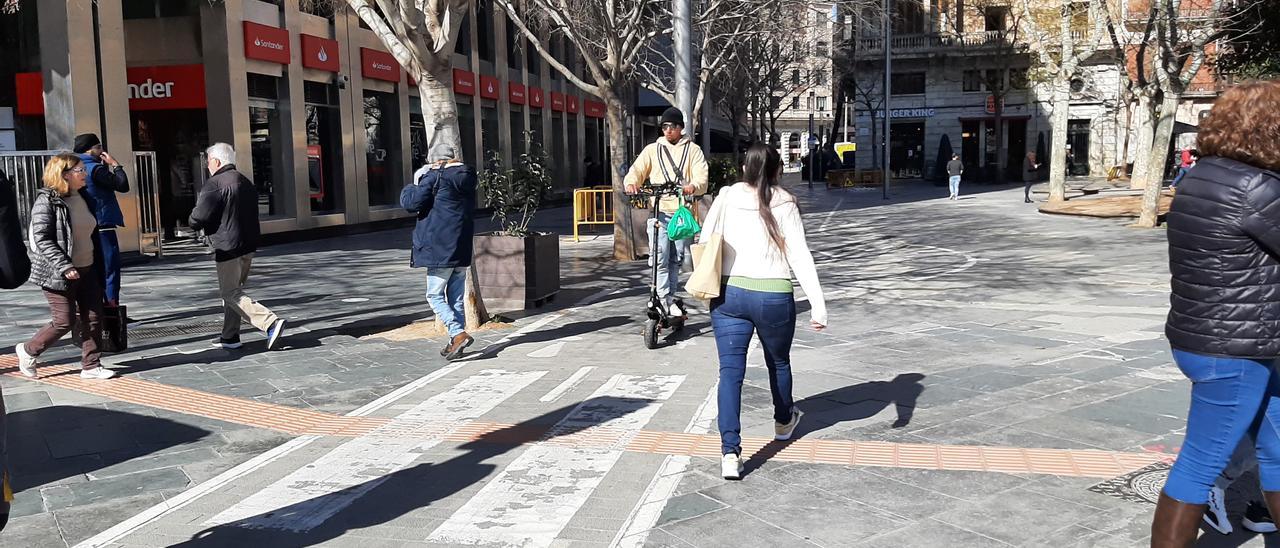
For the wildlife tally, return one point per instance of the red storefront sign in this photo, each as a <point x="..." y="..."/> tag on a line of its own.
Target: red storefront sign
<point x="557" y="101"/>
<point x="516" y="93"/>
<point x="572" y="104"/>
<point x="320" y="53"/>
<point x="379" y="65"/>
<point x="150" y="88"/>
<point x="464" y="82"/>
<point x="489" y="87"/>
<point x="536" y="97"/>
<point x="593" y="109"/>
<point x="266" y="43"/>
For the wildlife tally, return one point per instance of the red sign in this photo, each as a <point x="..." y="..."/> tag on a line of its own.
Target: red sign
<point x="557" y="101"/>
<point x="572" y="101"/>
<point x="320" y="53"/>
<point x="266" y="43"/>
<point x="536" y="98"/>
<point x="593" y="109"/>
<point x="379" y="65"/>
<point x="464" y="82"/>
<point x="489" y="87"/>
<point x="991" y="104"/>
<point x="150" y="88"/>
<point x="516" y="93"/>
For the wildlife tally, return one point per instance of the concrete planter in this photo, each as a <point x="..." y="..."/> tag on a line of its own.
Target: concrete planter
<point x="517" y="273"/>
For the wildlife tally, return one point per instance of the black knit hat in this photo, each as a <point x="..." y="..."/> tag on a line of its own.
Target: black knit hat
<point x="673" y="116"/>
<point x="86" y="141"/>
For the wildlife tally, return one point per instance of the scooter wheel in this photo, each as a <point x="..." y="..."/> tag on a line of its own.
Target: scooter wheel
<point x="651" y="334"/>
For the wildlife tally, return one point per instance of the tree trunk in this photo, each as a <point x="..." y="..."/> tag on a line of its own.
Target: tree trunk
<point x="733" y="134"/>
<point x="440" y="111"/>
<point x="624" y="248"/>
<point x="1146" y="132"/>
<point x="1128" y="131"/>
<point x="1156" y="159"/>
<point x="1058" y="149"/>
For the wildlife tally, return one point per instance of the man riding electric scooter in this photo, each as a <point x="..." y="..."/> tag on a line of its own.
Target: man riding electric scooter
<point x="672" y="158"/>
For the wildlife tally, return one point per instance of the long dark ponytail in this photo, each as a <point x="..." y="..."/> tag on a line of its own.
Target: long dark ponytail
<point x="761" y="170"/>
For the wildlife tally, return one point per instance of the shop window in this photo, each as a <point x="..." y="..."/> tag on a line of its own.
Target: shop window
<point x="558" y="159"/>
<point x="467" y="132"/>
<point x="573" y="162"/>
<point x="463" y="46"/>
<point x="909" y="83"/>
<point x="517" y="132"/>
<point x="484" y="30"/>
<point x="269" y="146"/>
<point x="489" y="138"/>
<point x="417" y="134"/>
<point x="151" y="9"/>
<point x="532" y="59"/>
<point x="324" y="148"/>
<point x="535" y="125"/>
<point x="514" y="46"/>
<point x="382" y="147"/>
<point x="973" y="80"/>
<point x="598" y="173"/>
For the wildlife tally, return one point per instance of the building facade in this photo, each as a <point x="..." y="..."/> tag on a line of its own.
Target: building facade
<point x="324" y="120"/>
<point x="808" y="105"/>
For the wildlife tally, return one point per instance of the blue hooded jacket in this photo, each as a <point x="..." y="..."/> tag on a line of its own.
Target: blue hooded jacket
<point x="444" y="200"/>
<point x="101" y="187"/>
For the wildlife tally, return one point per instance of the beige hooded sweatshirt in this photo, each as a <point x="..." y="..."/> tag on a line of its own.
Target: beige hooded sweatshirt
<point x="653" y="166"/>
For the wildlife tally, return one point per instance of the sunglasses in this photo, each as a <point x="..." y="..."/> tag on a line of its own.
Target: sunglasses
<point x="670" y="125"/>
<point x="76" y="170"/>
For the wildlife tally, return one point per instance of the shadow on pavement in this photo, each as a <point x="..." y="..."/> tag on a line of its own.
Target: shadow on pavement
<point x="389" y="497"/>
<point x="50" y="444"/>
<point x="551" y="335"/>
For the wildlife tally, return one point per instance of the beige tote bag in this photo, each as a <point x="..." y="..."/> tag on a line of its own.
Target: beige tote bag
<point x="705" y="282"/>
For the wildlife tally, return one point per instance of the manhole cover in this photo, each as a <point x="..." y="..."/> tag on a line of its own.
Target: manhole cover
<point x="1142" y="485"/>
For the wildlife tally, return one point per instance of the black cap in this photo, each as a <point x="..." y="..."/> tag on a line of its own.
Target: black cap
<point x="673" y="116"/>
<point x="86" y="141"/>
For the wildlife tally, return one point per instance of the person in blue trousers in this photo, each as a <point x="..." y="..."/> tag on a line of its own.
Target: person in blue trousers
<point x="443" y="196"/>
<point x="106" y="178"/>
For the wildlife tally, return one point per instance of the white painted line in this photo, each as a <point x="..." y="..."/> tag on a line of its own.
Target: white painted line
<point x="316" y="492"/>
<point x="536" y="496"/>
<point x="567" y="385"/>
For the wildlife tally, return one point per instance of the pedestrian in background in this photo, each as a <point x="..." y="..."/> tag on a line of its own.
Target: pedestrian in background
<point x="1030" y="170"/>
<point x="63" y="238"/>
<point x="763" y="245"/>
<point x="1188" y="160"/>
<point x="227" y="211"/>
<point x="105" y="178"/>
<point x="955" y="168"/>
<point x="1224" y="244"/>
<point x="443" y="196"/>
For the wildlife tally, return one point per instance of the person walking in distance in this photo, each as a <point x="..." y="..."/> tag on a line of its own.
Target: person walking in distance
<point x="955" y="168"/>
<point x="1030" y="170"/>
<point x="672" y="158"/>
<point x="1223" y="249"/>
<point x="763" y="245"/>
<point x="227" y="211"/>
<point x="105" y="178"/>
<point x="63" y="238"/>
<point x="443" y="196"/>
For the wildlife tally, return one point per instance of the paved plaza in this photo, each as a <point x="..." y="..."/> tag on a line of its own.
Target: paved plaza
<point x="992" y="376"/>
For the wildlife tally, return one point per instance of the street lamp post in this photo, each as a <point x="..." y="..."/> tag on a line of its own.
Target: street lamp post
<point x="888" y="57"/>
<point x="682" y="38"/>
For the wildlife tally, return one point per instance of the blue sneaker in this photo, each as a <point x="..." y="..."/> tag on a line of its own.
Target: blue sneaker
<point x="274" y="333"/>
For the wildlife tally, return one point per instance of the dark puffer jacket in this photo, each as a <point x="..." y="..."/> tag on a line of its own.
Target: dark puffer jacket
<point x="1224" y="255"/>
<point x="444" y="200"/>
<point x="51" y="241"/>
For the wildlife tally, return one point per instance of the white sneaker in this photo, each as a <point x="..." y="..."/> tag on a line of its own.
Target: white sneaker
<point x="1216" y="513"/>
<point x="783" y="432"/>
<point x="731" y="466"/>
<point x="98" y="374"/>
<point x="26" y="362"/>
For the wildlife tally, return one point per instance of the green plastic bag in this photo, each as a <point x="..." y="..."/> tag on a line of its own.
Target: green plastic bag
<point x="682" y="226"/>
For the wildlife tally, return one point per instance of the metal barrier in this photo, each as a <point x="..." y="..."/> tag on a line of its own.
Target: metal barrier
<point x="26" y="169"/>
<point x="592" y="206"/>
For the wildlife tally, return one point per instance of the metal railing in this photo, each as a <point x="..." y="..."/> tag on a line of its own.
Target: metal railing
<point x="592" y="206"/>
<point x="26" y="169"/>
<point x="925" y="42"/>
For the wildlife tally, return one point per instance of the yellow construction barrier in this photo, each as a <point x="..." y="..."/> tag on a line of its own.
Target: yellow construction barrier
<point x="592" y="206"/>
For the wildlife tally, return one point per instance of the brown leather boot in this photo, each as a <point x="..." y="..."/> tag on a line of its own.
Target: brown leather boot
<point x="457" y="345"/>
<point x="1176" y="524"/>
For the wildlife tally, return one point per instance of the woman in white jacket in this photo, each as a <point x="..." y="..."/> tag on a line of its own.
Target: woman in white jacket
<point x="763" y="245"/>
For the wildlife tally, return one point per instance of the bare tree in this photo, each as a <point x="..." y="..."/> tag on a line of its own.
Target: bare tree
<point x="1055" y="33"/>
<point x="9" y="6"/>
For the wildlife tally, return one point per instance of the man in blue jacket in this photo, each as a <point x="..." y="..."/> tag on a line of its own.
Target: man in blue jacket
<point x="106" y="178"/>
<point x="443" y="196"/>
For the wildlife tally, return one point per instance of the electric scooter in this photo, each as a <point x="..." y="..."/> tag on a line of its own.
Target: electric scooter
<point x="659" y="316"/>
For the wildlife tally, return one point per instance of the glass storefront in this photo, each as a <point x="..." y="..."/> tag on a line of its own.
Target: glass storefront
<point x="558" y="160"/>
<point x="517" y="133"/>
<point x="417" y="134"/>
<point x="269" y="145"/>
<point x="467" y="129"/>
<point x="489" y="130"/>
<point x="324" y="149"/>
<point x="382" y="147"/>
<point x="573" y="163"/>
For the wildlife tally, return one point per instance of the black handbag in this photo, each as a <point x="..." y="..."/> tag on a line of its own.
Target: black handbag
<point x="115" y="332"/>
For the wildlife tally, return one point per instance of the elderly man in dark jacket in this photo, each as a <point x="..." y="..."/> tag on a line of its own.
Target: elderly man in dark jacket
<point x="443" y="196"/>
<point x="227" y="210"/>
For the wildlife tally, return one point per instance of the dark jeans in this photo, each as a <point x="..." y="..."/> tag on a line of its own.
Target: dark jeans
<point x="83" y="301"/>
<point x="735" y="315"/>
<point x="109" y="244"/>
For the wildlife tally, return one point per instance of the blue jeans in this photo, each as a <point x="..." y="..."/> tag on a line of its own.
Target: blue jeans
<point x="735" y="315"/>
<point x="446" y="288"/>
<point x="954" y="183"/>
<point x="1182" y="172"/>
<point x="109" y="245"/>
<point x="670" y="256"/>
<point x="1229" y="398"/>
